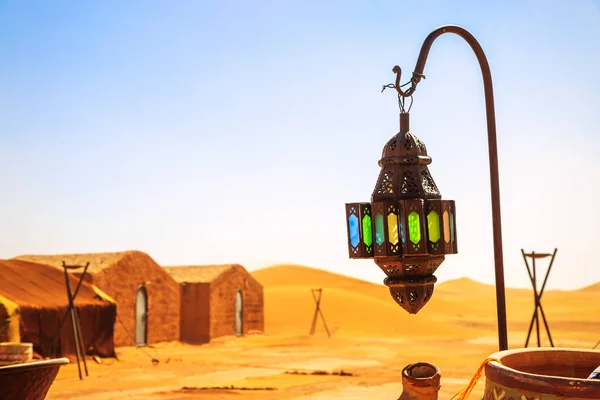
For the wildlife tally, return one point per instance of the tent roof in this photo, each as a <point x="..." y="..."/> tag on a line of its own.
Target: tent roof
<point x="199" y="273"/>
<point x="98" y="261"/>
<point x="27" y="283"/>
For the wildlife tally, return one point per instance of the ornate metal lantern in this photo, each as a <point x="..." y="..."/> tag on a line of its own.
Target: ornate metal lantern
<point x="407" y="228"/>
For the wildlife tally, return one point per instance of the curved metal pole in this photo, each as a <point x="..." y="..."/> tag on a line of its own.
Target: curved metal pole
<point x="493" y="156"/>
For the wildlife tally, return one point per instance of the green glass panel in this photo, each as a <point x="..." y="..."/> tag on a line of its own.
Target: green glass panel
<point x="379" y="229"/>
<point x="452" y="228"/>
<point x="414" y="227"/>
<point x="433" y="226"/>
<point x="367" y="230"/>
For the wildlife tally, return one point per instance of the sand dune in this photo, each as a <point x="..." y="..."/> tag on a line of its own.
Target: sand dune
<point x="297" y="275"/>
<point x="594" y="288"/>
<point x="290" y="309"/>
<point x="351" y="307"/>
<point x="458" y="308"/>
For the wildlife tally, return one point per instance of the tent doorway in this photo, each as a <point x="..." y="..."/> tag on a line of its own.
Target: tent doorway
<point x="141" y="317"/>
<point x="239" y="313"/>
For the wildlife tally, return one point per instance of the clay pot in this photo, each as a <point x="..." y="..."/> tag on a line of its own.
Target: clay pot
<point x="542" y="374"/>
<point x="420" y="381"/>
<point x="14" y="353"/>
<point x="29" y="381"/>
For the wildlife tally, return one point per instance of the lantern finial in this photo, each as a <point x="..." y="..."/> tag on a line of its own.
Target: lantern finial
<point x="404" y="122"/>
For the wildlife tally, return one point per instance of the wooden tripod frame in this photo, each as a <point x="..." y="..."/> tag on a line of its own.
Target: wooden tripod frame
<point x="72" y="310"/>
<point x="318" y="311"/>
<point x="537" y="296"/>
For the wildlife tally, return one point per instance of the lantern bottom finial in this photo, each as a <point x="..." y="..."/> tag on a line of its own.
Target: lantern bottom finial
<point x="411" y="293"/>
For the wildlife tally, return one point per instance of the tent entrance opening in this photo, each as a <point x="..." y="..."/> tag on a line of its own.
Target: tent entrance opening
<point x="141" y="317"/>
<point x="239" y="314"/>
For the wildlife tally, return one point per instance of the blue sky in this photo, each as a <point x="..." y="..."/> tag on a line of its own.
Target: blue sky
<point x="213" y="132"/>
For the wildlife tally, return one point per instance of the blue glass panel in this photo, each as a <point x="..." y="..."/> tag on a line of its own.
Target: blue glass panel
<point x="354" y="231"/>
<point x="401" y="227"/>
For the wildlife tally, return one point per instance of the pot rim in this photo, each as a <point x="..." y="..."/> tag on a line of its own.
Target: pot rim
<point x="413" y="379"/>
<point x="556" y="385"/>
<point x="34" y="364"/>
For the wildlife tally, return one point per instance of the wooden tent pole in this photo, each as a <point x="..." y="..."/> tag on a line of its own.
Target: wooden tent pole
<point x="81" y="342"/>
<point x="324" y="323"/>
<point x="314" y="321"/>
<point x="533" y="316"/>
<point x="540" y="297"/>
<point x="535" y="301"/>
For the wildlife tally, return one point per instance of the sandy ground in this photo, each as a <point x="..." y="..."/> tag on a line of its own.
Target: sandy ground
<point x="372" y="340"/>
<point x="264" y="367"/>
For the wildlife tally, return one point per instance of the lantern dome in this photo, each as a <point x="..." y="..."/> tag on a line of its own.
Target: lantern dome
<point x="404" y="173"/>
<point x="404" y="148"/>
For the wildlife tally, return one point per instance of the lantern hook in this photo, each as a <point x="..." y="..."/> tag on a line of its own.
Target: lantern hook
<point x="402" y="95"/>
<point x="413" y="82"/>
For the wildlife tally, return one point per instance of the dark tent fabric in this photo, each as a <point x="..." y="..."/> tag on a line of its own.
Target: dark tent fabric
<point x="40" y="293"/>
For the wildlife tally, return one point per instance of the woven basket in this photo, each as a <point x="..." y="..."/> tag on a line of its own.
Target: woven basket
<point x="29" y="381"/>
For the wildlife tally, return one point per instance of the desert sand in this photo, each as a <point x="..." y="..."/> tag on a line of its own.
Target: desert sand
<point x="372" y="340"/>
